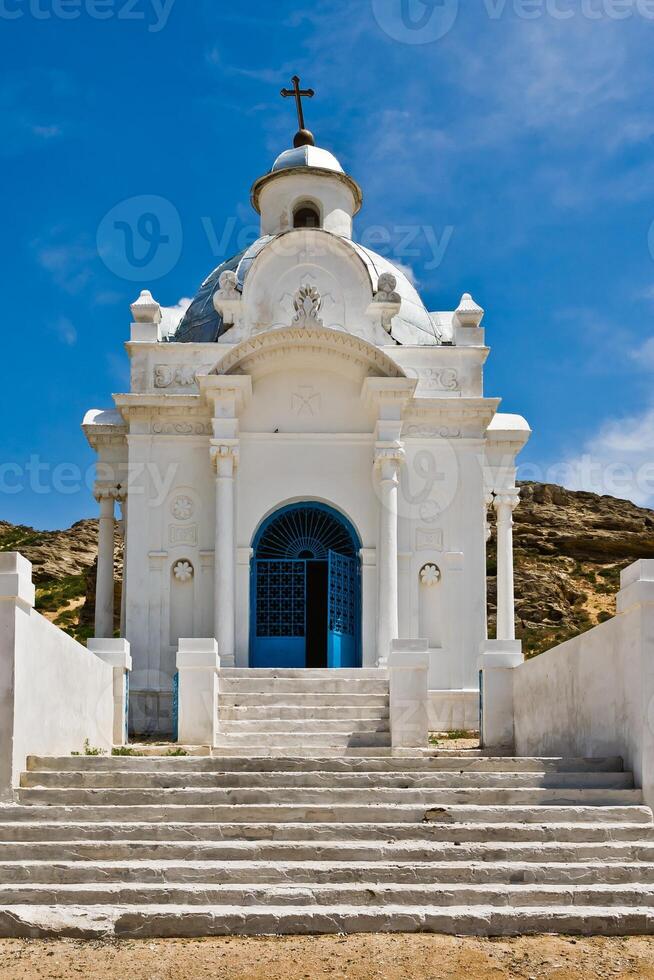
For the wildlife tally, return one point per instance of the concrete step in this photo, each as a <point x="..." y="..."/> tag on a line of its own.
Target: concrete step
<point x="362" y="876"/>
<point x="258" y="728"/>
<point x="291" y="712"/>
<point x="331" y="682"/>
<point x="185" y="921"/>
<point x="71" y="829"/>
<point x="436" y="763"/>
<point x="131" y="779"/>
<point x="300" y="852"/>
<point x="359" y="894"/>
<point x="311" y="796"/>
<point x="314" y="675"/>
<point x="328" y="813"/>
<point x="308" y="699"/>
<point x="260" y="751"/>
<point x="275" y="740"/>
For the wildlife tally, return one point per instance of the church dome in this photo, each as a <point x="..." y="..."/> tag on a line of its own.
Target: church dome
<point x="412" y="325"/>
<point x="307" y="156"/>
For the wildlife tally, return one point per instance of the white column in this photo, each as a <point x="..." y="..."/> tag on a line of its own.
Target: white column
<point x="505" y="503"/>
<point x="225" y="457"/>
<point x="123" y="585"/>
<point x="104" y="587"/>
<point x="389" y="462"/>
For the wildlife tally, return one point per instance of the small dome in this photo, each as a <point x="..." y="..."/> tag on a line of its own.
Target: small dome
<point x="307" y="156"/>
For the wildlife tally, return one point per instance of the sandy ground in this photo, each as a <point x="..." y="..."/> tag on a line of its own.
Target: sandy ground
<point x="312" y="958"/>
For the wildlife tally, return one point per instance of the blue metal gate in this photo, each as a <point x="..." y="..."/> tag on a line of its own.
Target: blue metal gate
<point x="280" y="632"/>
<point x="286" y="544"/>
<point x="343" y="597"/>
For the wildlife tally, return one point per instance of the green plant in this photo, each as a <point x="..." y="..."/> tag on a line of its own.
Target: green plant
<point x="55" y="593"/>
<point x="125" y="750"/>
<point x="177" y="752"/>
<point x="89" y="749"/>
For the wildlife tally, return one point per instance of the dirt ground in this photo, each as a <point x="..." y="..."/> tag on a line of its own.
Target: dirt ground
<point x="312" y="958"/>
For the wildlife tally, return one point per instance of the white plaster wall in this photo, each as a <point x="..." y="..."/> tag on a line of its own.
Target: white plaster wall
<point x="442" y="523"/>
<point x="450" y="711"/>
<point x="588" y="697"/>
<point x="166" y="467"/>
<point x="63" y="694"/>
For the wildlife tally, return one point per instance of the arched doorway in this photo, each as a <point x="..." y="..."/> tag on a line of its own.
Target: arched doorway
<point x="305" y="589"/>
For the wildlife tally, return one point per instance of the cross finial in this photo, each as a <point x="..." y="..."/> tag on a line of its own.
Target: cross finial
<point x="303" y="137"/>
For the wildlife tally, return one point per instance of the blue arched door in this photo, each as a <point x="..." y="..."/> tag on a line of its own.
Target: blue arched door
<point x="305" y="590"/>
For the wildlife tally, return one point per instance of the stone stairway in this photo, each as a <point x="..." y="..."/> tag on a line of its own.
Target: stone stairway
<point x="303" y="712"/>
<point x="188" y="846"/>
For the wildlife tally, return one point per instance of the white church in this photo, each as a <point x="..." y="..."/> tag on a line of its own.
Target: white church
<point x="329" y="458"/>
<point x="302" y="473"/>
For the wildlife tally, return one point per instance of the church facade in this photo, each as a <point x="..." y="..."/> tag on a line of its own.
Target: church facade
<point x="305" y="462"/>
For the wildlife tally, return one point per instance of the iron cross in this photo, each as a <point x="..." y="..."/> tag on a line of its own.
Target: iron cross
<point x="298" y="94"/>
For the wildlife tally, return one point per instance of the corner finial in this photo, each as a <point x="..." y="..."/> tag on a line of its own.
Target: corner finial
<point x="469" y="313"/>
<point x="146" y="309"/>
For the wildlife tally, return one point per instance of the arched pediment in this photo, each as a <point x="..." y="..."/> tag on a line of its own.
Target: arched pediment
<point x="278" y="349"/>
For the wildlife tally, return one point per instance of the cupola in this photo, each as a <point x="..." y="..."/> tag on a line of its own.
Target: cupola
<point x="307" y="186"/>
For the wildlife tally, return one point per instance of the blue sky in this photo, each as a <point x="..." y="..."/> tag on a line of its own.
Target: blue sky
<point x="505" y="147"/>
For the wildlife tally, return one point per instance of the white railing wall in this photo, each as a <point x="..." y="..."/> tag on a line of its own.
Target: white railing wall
<point x="594" y="694"/>
<point x="55" y="695"/>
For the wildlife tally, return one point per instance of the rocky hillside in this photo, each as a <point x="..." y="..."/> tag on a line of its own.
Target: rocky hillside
<point x="569" y="550"/>
<point x="65" y="564"/>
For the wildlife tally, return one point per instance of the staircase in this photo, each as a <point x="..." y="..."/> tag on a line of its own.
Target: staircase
<point x="303" y="712"/>
<point x="229" y="844"/>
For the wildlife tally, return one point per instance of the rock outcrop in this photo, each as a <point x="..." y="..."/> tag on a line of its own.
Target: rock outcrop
<point x="64" y="570"/>
<point x="569" y="550"/>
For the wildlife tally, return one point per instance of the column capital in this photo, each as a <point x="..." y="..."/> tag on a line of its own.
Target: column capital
<point x="389" y="452"/>
<point x="109" y="491"/>
<point x="224" y="456"/>
<point x="507" y="498"/>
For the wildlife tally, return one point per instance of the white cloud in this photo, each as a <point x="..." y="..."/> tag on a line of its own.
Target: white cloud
<point x="644" y="355"/>
<point x="65" y="330"/>
<point x="47" y="132"/>
<point x="171" y="316"/>
<point x="618" y="460"/>
<point x="69" y="263"/>
<point x="408" y="272"/>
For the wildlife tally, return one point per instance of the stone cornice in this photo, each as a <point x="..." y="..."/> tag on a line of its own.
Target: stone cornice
<point x="126" y="403"/>
<point x="344" y="178"/>
<point x="480" y="408"/>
